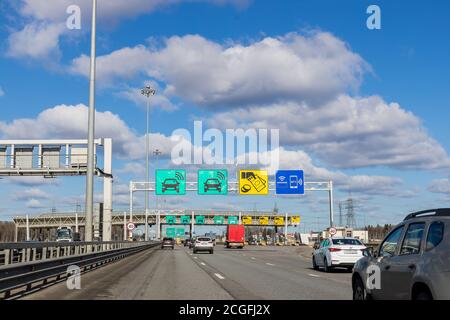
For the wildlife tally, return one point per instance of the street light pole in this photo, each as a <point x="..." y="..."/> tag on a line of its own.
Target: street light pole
<point x="148" y="92"/>
<point x="91" y="134"/>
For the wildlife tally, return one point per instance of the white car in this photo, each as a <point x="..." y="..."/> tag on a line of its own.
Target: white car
<point x="203" y="244"/>
<point x="338" y="252"/>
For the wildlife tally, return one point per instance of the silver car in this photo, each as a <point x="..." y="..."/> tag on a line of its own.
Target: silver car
<point x="412" y="262"/>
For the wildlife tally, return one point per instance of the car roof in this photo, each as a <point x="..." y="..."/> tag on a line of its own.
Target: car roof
<point x="431" y="213"/>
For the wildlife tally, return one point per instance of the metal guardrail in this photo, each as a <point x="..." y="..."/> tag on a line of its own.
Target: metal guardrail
<point x="26" y="267"/>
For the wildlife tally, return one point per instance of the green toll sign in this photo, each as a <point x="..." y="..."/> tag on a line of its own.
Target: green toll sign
<point x="212" y="182"/>
<point x="200" y="219"/>
<point x="219" y="220"/>
<point x="233" y="220"/>
<point x="170" y="182"/>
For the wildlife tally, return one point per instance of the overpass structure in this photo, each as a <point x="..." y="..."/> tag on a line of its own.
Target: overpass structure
<point x="191" y="218"/>
<point x="51" y="158"/>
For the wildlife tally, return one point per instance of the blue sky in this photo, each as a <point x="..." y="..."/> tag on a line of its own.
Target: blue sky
<point x="366" y="108"/>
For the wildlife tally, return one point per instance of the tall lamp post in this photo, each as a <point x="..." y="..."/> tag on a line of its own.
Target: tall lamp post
<point x="148" y="92"/>
<point x="157" y="153"/>
<point x="91" y="133"/>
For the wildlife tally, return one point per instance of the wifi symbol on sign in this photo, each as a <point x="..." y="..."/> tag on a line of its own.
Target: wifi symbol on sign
<point x="282" y="178"/>
<point x="220" y="175"/>
<point x="179" y="176"/>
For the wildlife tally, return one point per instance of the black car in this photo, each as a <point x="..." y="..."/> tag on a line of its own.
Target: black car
<point x="213" y="184"/>
<point x="187" y="242"/>
<point x="168" y="243"/>
<point x="171" y="184"/>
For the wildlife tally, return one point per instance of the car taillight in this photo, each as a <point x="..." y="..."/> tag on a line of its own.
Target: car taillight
<point x="334" y="249"/>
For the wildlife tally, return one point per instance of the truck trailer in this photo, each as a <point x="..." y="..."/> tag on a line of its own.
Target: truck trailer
<point x="235" y="236"/>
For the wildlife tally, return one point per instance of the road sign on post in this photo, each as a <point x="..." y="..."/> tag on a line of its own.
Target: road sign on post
<point x="212" y="182"/>
<point x="264" y="221"/>
<point x="131" y="226"/>
<point x="170" y="182"/>
<point x="290" y="182"/>
<point x="295" y="220"/>
<point x="253" y="182"/>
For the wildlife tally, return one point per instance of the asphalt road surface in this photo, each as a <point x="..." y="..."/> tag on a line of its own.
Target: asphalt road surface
<point x="251" y="273"/>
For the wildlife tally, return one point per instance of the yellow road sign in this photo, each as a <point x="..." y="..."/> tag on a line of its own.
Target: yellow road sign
<point x="247" y="220"/>
<point x="253" y="182"/>
<point x="279" y="221"/>
<point x="264" y="221"/>
<point x="295" y="220"/>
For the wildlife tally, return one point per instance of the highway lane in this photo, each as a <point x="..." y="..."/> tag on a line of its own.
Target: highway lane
<point x="251" y="273"/>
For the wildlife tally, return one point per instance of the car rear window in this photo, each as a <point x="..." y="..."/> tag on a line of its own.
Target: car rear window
<point x="346" y="242"/>
<point x="204" y="239"/>
<point x="435" y="235"/>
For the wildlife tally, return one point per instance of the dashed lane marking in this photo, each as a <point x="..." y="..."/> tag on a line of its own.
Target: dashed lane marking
<point x="218" y="275"/>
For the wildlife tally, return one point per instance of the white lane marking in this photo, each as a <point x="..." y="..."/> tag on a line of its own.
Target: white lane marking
<point x="203" y="264"/>
<point x="244" y="254"/>
<point x="314" y="275"/>
<point x="253" y="258"/>
<point x="219" y="276"/>
<point x="269" y="264"/>
<point x="195" y="257"/>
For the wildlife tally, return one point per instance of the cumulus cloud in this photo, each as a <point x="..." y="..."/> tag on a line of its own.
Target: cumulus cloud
<point x="70" y="122"/>
<point x="108" y="11"/>
<point x="347" y="132"/>
<point x="440" y="186"/>
<point x="37" y="40"/>
<point x="313" y="67"/>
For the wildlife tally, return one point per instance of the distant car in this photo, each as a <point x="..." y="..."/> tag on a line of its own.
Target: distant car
<point x="203" y="244"/>
<point x="338" y="252"/>
<point x="171" y="184"/>
<point x="187" y="242"/>
<point x="213" y="184"/>
<point x="168" y="243"/>
<point x="413" y="261"/>
<point x="252" y="242"/>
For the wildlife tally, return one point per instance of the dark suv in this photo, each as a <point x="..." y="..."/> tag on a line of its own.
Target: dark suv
<point x="412" y="262"/>
<point x="168" y="243"/>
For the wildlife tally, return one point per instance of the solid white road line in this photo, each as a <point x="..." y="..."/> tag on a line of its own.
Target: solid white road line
<point x="219" y="276"/>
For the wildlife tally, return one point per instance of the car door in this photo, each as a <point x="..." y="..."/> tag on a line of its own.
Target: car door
<point x="319" y="254"/>
<point x="323" y="251"/>
<point x="403" y="265"/>
<point x="388" y="250"/>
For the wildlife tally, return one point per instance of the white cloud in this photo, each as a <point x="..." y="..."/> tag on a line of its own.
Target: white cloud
<point x="313" y="67"/>
<point x="70" y="122"/>
<point x="34" y="204"/>
<point x="108" y="11"/>
<point x="347" y="132"/>
<point x="157" y="101"/>
<point x="29" y="194"/>
<point x="37" y="40"/>
<point x="440" y="186"/>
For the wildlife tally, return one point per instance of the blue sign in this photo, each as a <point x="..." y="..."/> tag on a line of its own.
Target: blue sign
<point x="290" y="182"/>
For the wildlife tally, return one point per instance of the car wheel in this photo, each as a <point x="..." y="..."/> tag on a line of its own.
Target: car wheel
<point x="424" y="295"/>
<point x="211" y="252"/>
<point x="315" y="266"/>
<point x="359" y="291"/>
<point x="195" y="251"/>
<point x="350" y="269"/>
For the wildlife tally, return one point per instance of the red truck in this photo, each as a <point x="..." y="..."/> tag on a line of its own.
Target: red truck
<point x="235" y="236"/>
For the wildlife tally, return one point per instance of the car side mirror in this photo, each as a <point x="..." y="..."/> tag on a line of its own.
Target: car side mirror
<point x="370" y="251"/>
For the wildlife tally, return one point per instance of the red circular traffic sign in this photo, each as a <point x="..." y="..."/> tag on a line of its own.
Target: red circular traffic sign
<point x="332" y="231"/>
<point x="131" y="226"/>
